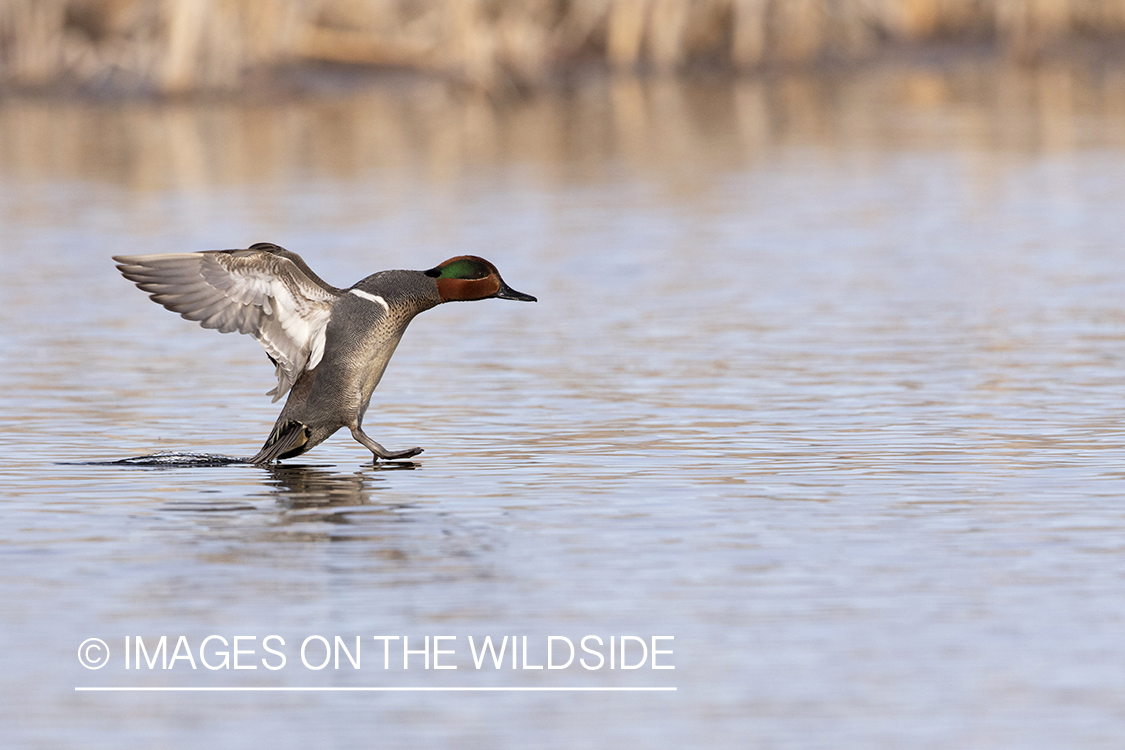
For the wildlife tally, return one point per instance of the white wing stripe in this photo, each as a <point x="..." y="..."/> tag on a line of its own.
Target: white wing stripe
<point x="372" y="298"/>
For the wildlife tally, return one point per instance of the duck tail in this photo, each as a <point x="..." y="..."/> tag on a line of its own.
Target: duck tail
<point x="287" y="440"/>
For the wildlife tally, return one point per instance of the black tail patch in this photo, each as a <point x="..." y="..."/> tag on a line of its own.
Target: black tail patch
<point x="285" y="441"/>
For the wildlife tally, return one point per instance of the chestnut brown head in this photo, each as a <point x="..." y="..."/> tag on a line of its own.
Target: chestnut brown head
<point x="468" y="277"/>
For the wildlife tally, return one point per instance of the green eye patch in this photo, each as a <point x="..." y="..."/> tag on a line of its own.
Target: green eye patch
<point x="459" y="269"/>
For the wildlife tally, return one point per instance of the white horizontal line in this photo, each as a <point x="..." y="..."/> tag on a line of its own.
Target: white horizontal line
<point x="376" y="689"/>
<point x="372" y="298"/>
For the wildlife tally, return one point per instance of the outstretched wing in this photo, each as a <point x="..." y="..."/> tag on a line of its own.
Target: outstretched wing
<point x="266" y="291"/>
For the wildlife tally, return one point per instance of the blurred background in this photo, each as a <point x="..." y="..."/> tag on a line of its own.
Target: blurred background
<point x="140" y="90"/>
<point x="179" y="46"/>
<point x="824" y="378"/>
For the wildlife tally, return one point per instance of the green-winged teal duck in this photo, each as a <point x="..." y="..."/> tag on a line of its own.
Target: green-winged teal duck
<point x="330" y="345"/>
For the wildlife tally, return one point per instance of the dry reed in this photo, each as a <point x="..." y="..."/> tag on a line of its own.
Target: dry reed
<point x="171" y="46"/>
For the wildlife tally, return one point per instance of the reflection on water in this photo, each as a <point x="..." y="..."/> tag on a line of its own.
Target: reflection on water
<point x="309" y="489"/>
<point x="824" y="381"/>
<point x="304" y="495"/>
<point x="665" y="128"/>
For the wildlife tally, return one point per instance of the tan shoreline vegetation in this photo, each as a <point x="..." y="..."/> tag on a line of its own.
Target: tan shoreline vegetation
<point x="179" y="46"/>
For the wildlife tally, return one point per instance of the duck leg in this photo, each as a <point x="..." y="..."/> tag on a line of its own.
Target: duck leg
<point x="380" y="451"/>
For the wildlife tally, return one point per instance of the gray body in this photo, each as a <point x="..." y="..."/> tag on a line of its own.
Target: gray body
<point x="359" y="341"/>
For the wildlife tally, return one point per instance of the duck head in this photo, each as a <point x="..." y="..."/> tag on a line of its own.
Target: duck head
<point x="468" y="277"/>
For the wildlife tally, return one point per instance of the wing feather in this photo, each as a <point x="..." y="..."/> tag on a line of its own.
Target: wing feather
<point x="266" y="292"/>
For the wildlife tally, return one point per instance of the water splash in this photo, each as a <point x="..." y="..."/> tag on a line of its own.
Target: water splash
<point x="185" y="459"/>
<point x="174" y="459"/>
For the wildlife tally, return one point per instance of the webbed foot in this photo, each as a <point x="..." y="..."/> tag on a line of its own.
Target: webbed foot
<point x="378" y="450"/>
<point x="398" y="454"/>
